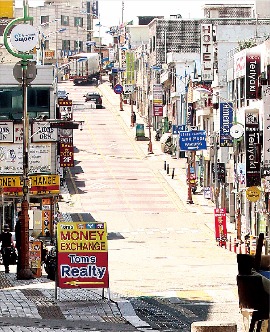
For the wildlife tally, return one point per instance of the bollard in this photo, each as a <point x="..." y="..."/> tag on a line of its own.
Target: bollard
<point x="212" y="326"/>
<point x="172" y="173"/>
<point x="165" y="165"/>
<point x="234" y="245"/>
<point x="240" y="249"/>
<point x="168" y="169"/>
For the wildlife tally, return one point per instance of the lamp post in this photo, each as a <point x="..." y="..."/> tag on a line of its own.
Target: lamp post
<point x="23" y="268"/>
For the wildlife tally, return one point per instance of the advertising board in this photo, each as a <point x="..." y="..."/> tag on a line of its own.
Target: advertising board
<point x="82" y="255"/>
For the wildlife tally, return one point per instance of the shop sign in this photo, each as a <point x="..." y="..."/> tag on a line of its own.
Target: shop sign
<point x="239" y="64"/>
<point x="24" y="37"/>
<point x="158" y="110"/>
<point x="220" y="225"/>
<point x="253" y="194"/>
<point x="253" y="155"/>
<point x="42" y="132"/>
<point x="49" y="54"/>
<point x="190" y="114"/>
<point x="66" y="152"/>
<point x="46" y="215"/>
<point x="207" y="53"/>
<point x="35" y="257"/>
<point x="11" y="158"/>
<point x="253" y="71"/>
<point x="82" y="255"/>
<point x="6" y="131"/>
<point x="266" y="125"/>
<point x="66" y="136"/>
<point x="226" y="122"/>
<point x="38" y="184"/>
<point x="18" y="133"/>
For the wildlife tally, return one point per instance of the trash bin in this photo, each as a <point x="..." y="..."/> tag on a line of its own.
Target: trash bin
<point x="139" y="131"/>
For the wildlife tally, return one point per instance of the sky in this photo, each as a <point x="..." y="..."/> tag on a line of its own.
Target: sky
<point x="111" y="10"/>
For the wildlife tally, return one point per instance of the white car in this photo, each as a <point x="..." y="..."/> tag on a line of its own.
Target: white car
<point x="62" y="94"/>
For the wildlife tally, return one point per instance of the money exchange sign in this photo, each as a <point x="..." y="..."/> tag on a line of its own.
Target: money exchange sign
<point x="82" y="255"/>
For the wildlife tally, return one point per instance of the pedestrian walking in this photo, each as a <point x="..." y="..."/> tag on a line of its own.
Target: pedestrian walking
<point x="133" y="118"/>
<point x="7" y="243"/>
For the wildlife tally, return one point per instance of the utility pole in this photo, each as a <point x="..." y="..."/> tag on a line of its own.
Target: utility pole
<point x="216" y="179"/>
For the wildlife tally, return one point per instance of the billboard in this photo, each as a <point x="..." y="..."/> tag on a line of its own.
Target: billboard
<point x="82" y="255"/>
<point x="6" y="8"/>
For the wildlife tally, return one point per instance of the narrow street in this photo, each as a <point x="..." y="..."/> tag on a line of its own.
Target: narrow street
<point x="163" y="256"/>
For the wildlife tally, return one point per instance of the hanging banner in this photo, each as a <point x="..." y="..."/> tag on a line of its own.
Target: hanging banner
<point x="82" y="255"/>
<point x="220" y="225"/>
<point x="253" y="148"/>
<point x="226" y="122"/>
<point x="253" y="71"/>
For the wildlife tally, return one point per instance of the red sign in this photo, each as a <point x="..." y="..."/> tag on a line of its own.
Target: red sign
<point x="158" y="110"/>
<point x="66" y="155"/>
<point x="220" y="225"/>
<point x="82" y="255"/>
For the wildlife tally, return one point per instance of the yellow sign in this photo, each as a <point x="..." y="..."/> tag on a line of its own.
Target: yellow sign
<point x="253" y="194"/>
<point x="6" y="8"/>
<point x="38" y="184"/>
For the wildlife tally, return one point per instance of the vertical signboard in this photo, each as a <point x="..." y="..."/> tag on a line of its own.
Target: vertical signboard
<point x="65" y="109"/>
<point x="35" y="257"/>
<point x="46" y="216"/>
<point x="157" y="100"/>
<point x="220" y="225"/>
<point x="207" y="54"/>
<point x="226" y="122"/>
<point x="66" y="155"/>
<point x="252" y="142"/>
<point x="253" y="71"/>
<point x="266" y="126"/>
<point x="82" y="255"/>
<point x="190" y="114"/>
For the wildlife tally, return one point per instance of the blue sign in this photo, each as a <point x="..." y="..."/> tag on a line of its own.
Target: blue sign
<point x="192" y="140"/>
<point x="118" y="89"/>
<point x="176" y="129"/>
<point x="226" y="122"/>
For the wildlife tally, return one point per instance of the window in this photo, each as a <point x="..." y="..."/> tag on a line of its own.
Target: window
<point x="11" y="102"/>
<point x="64" y="20"/>
<point x="78" y="45"/>
<point x="66" y="45"/>
<point x="44" y="19"/>
<point x="78" y="21"/>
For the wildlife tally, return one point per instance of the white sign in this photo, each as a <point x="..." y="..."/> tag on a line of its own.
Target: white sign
<point x="42" y="132"/>
<point x="24" y="37"/>
<point x="207" y="55"/>
<point x="18" y="133"/>
<point x="6" y="132"/>
<point x="128" y="88"/>
<point x="11" y="158"/>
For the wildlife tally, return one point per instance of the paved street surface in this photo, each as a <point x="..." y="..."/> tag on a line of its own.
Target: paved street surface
<point x="163" y="258"/>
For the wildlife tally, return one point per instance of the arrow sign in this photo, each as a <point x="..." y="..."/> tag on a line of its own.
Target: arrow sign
<point x="77" y="283"/>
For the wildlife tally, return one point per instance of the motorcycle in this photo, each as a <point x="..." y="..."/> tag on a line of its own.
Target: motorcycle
<point x="158" y="134"/>
<point x="50" y="263"/>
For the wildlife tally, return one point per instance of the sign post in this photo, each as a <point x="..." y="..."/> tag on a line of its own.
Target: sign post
<point x="23" y="38"/>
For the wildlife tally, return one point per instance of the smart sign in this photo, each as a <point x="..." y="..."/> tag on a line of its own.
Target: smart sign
<point x="82" y="255"/>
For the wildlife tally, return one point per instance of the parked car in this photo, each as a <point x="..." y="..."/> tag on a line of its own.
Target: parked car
<point x="95" y="98"/>
<point x="62" y="94"/>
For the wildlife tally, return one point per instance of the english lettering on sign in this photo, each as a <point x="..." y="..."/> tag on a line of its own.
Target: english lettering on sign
<point x="207" y="56"/>
<point x="253" y="71"/>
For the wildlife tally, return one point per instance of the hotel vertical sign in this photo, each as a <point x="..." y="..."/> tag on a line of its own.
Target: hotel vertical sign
<point x="207" y="54"/>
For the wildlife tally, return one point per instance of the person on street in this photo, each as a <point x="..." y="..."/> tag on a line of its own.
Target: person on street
<point x="133" y="118"/>
<point x="6" y="239"/>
